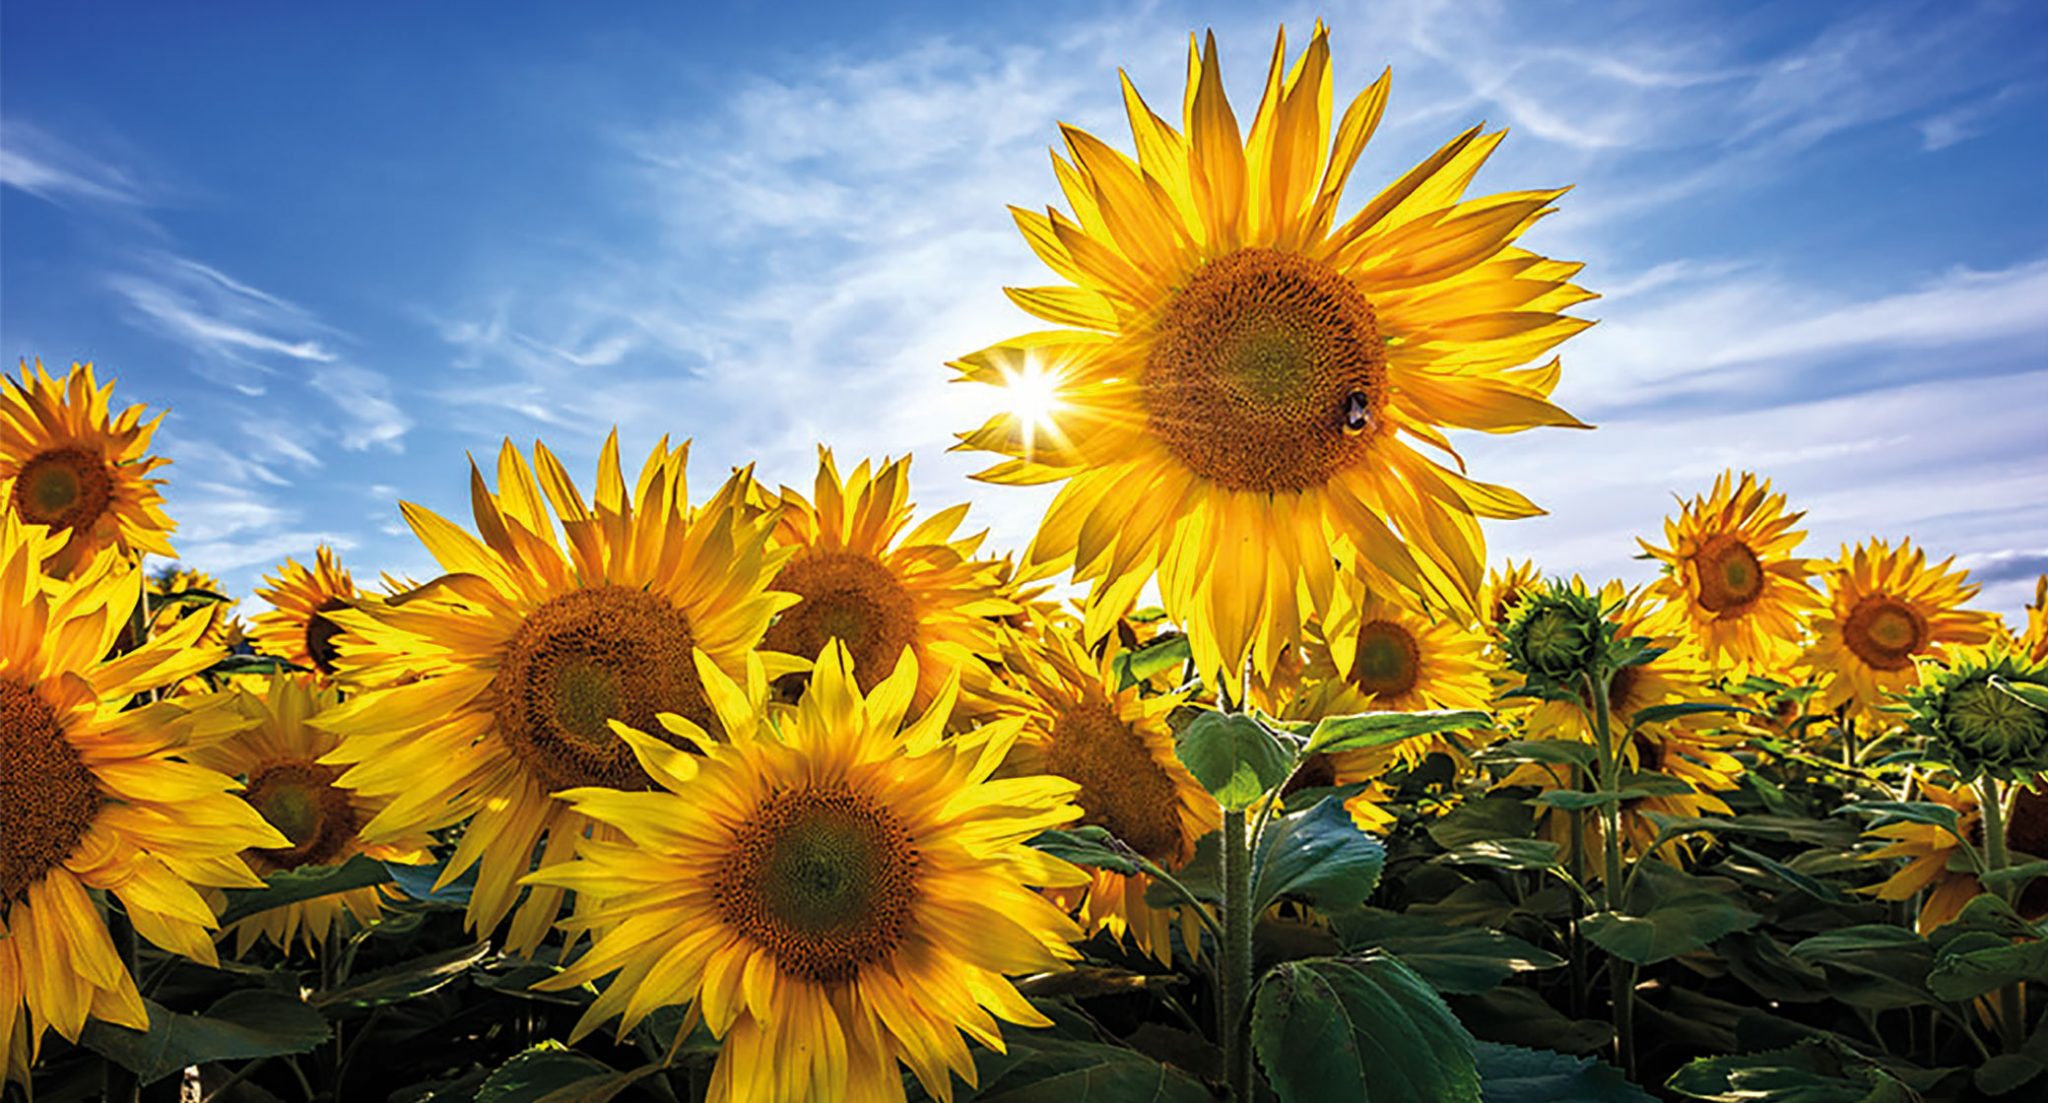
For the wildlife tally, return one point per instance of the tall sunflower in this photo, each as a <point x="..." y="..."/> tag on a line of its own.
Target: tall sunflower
<point x="1115" y="744"/>
<point x="297" y="628"/>
<point x="864" y="575"/>
<point x="1887" y="608"/>
<point x="831" y="900"/>
<point x="1731" y="582"/>
<point x="265" y="738"/>
<point x="69" y="462"/>
<point x="496" y="681"/>
<point x="1245" y="380"/>
<point x="90" y="798"/>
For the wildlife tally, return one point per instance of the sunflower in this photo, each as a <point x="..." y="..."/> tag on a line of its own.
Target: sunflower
<point x="90" y="798"/>
<point x="1242" y="387"/>
<point x="266" y="740"/>
<point x="1505" y="586"/>
<point x="830" y="900"/>
<point x="1731" y="581"/>
<point x="1887" y="608"/>
<point x="1935" y="861"/>
<point x="520" y="655"/>
<point x="297" y="629"/>
<point x="1115" y="744"/>
<point x="2034" y="645"/>
<point x="67" y="461"/>
<point x="863" y="575"/>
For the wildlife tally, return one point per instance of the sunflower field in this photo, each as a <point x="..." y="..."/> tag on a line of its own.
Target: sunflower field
<point x="1251" y="778"/>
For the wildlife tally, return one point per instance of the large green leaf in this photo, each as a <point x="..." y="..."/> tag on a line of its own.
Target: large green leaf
<point x="1366" y="730"/>
<point x="1657" y="714"/>
<point x="1678" y="924"/>
<point x="1980" y="963"/>
<point x="1511" y="1074"/>
<point x="1884" y="813"/>
<point x="1506" y="854"/>
<point x="1043" y="1069"/>
<point x="1876" y="966"/>
<point x="1360" y="1030"/>
<point x="241" y="1025"/>
<point x="1151" y="660"/>
<point x="1454" y="960"/>
<point x="404" y="981"/>
<point x="307" y="883"/>
<point x="1550" y="752"/>
<point x="1516" y="1014"/>
<point x="1088" y="845"/>
<point x="1497" y="816"/>
<point x="1317" y="855"/>
<point x="1811" y="1072"/>
<point x="1233" y="756"/>
<point x="551" y="1073"/>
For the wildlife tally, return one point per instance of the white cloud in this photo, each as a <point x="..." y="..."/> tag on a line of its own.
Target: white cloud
<point x="361" y="399"/>
<point x="49" y="168"/>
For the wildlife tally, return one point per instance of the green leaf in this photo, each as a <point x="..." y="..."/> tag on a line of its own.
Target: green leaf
<point x="1041" y="1068"/>
<point x="1497" y="816"/>
<point x="1151" y="660"/>
<point x="245" y="1024"/>
<point x="253" y="664"/>
<point x="1973" y="971"/>
<point x="1235" y="758"/>
<point x="2028" y="692"/>
<point x="2015" y="875"/>
<point x="1657" y="714"/>
<point x="552" y="1073"/>
<point x="1811" y="1072"/>
<point x="1875" y="966"/>
<point x="2007" y="1073"/>
<point x="1884" y="813"/>
<point x="195" y="598"/>
<point x="1088" y="845"/>
<point x="1351" y="1029"/>
<point x="1506" y="854"/>
<point x="305" y="883"/>
<point x="1553" y="752"/>
<point x="1454" y="960"/>
<point x="1575" y="800"/>
<point x="1319" y="856"/>
<point x="1511" y="1074"/>
<point x="1515" y="1013"/>
<point x="1366" y="730"/>
<point x="406" y="980"/>
<point x="1817" y="889"/>
<point x="1678" y="924"/>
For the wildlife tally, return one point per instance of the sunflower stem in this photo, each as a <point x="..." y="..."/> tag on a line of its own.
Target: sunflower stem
<point x="1991" y="802"/>
<point x="1621" y="993"/>
<point x="1235" y="968"/>
<point x="121" y="1083"/>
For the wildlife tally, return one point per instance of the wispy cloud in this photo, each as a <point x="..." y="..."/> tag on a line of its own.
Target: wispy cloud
<point x="362" y="401"/>
<point x="51" y="169"/>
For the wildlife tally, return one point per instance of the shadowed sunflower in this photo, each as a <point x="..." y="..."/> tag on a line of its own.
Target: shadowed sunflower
<point x="830" y="900"/>
<point x="266" y="740"/>
<point x="1505" y="586"/>
<point x="1887" y="608"/>
<point x="1731" y="582"/>
<point x="69" y="462"/>
<point x="1114" y="744"/>
<point x="1243" y="385"/>
<point x="529" y="645"/>
<point x="2034" y="645"/>
<point x="863" y="575"/>
<point x="90" y="798"/>
<point x="297" y="629"/>
<point x="1937" y="866"/>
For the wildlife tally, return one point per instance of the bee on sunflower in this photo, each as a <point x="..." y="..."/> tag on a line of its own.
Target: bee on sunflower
<point x="1887" y="607"/>
<point x="263" y="736"/>
<point x="831" y="898"/>
<point x="69" y="462"/>
<point x="1243" y="379"/>
<point x="496" y="682"/>
<point x="1731" y="582"/>
<point x="91" y="799"/>
<point x="297" y="628"/>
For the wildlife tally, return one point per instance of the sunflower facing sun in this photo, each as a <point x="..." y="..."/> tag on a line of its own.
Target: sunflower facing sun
<point x="297" y="629"/>
<point x="1887" y="607"/>
<point x="529" y="646"/>
<point x="863" y="575"/>
<point x="90" y="799"/>
<point x="1731" y="583"/>
<point x="1245" y="380"/>
<point x="69" y="462"/>
<point x="830" y="899"/>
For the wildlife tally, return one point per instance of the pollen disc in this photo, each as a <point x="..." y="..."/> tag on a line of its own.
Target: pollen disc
<point x="850" y="597"/>
<point x="1389" y="661"/>
<point x="824" y="878"/>
<point x="1731" y="576"/>
<point x="1884" y="632"/>
<point x="1122" y="788"/>
<point x="1266" y="372"/>
<point x="47" y="796"/>
<point x="300" y="800"/>
<point x="66" y="488"/>
<point x="588" y="657"/>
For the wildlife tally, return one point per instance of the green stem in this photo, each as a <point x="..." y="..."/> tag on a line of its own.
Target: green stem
<point x="1235" y="968"/>
<point x="121" y="1084"/>
<point x="1620" y="991"/>
<point x="1158" y="873"/>
<point x="1991" y="805"/>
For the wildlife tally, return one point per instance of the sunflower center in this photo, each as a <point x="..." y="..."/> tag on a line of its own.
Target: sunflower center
<point x="1731" y="576"/>
<point x="300" y="799"/>
<point x="1621" y="690"/>
<point x="320" y="633"/>
<point x="588" y="657"/>
<point x="850" y="597"/>
<point x="1267" y="372"/>
<point x="47" y="795"/>
<point x="1389" y="661"/>
<point x="824" y="878"/>
<point x="1884" y="632"/>
<point x="1123" y="788"/>
<point x="65" y="488"/>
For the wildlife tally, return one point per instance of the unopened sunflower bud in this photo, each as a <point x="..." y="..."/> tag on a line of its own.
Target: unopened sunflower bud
<point x="1975" y="715"/>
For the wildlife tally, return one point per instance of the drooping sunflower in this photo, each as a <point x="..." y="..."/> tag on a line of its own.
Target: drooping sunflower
<point x="522" y="653"/>
<point x="1886" y="609"/>
<point x="830" y="900"/>
<point x="1936" y="866"/>
<point x="69" y="462"/>
<point x="1115" y="744"/>
<point x="297" y="629"/>
<point x="90" y="798"/>
<point x="864" y="575"/>
<point x="1243" y="386"/>
<point x="1731" y="582"/>
<point x="263" y="737"/>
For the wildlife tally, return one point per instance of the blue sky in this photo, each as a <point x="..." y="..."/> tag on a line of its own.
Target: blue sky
<point x="344" y="248"/>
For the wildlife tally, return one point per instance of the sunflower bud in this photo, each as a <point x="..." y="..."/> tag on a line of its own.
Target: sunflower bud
<point x="1975" y="718"/>
<point x="1556" y="633"/>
